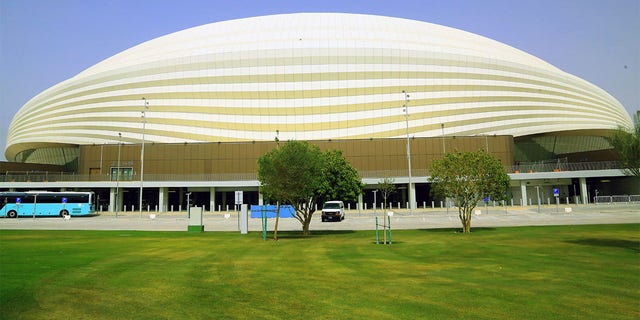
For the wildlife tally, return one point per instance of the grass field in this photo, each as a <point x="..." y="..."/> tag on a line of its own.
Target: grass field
<point x="568" y="272"/>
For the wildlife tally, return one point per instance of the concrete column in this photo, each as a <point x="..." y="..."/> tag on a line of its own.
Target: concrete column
<point x="181" y="202"/>
<point x="113" y="206"/>
<point x="523" y="192"/>
<point x="260" y="199"/>
<point x="163" y="198"/>
<point x="224" y="203"/>
<point x="412" y="196"/>
<point x="583" y="190"/>
<point x="112" y="199"/>
<point x="212" y="199"/>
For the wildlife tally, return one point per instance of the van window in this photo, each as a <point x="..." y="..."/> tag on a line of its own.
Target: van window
<point x="331" y="205"/>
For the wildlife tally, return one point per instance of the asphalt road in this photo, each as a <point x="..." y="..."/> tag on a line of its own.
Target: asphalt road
<point x="420" y="219"/>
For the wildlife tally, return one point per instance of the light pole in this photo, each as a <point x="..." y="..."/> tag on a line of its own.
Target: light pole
<point x="118" y="174"/>
<point x="188" y="205"/>
<point x="486" y="143"/>
<point x="444" y="148"/>
<point x="144" y="124"/>
<point x="538" y="192"/>
<point x="406" y="119"/>
<point x="375" y="204"/>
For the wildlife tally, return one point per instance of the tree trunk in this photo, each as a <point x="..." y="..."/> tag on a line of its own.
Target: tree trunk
<point x="465" y="219"/>
<point x="467" y="226"/>
<point x="308" y="214"/>
<point x="305" y="228"/>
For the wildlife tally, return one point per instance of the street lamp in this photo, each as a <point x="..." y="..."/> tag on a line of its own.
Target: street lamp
<point x="538" y="192"/>
<point x="188" y="205"/>
<point x="406" y="119"/>
<point x="375" y="204"/>
<point x="118" y="173"/>
<point x="486" y="143"/>
<point x="444" y="148"/>
<point x="144" y="124"/>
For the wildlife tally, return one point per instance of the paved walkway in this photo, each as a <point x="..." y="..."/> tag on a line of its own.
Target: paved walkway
<point x="420" y="219"/>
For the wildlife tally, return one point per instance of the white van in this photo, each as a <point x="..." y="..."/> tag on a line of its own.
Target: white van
<point x="333" y="210"/>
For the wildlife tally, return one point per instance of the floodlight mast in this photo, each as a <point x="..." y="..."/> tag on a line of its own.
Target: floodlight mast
<point x="118" y="175"/>
<point x="406" y="119"/>
<point x="144" y="124"/>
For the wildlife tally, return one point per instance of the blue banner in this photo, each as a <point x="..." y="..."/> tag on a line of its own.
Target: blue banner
<point x="286" y="211"/>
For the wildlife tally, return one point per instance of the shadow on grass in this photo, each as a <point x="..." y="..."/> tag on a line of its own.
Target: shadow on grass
<point x="457" y="230"/>
<point x="615" y="243"/>
<point x="314" y="234"/>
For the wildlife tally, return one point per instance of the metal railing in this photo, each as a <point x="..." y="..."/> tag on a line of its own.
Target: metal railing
<point x="393" y="173"/>
<point x="557" y="167"/>
<point x="65" y="176"/>
<point x="616" y="199"/>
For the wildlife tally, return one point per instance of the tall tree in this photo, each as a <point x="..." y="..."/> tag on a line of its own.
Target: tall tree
<point x="467" y="178"/>
<point x="299" y="174"/>
<point x="626" y="142"/>
<point x="386" y="187"/>
<point x="340" y="180"/>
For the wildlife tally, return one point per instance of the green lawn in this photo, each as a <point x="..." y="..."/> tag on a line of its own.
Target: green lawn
<point x="569" y="272"/>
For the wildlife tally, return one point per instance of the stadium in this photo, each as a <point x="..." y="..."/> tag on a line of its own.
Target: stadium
<point x="189" y="113"/>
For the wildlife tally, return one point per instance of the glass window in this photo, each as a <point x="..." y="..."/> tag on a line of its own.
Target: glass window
<point x="123" y="174"/>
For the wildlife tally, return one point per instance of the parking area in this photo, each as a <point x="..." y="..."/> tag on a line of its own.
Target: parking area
<point x="402" y="219"/>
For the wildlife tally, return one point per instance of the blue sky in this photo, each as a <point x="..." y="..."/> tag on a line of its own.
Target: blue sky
<point x="43" y="42"/>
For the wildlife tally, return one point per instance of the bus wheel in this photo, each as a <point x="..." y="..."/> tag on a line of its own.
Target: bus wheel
<point x="64" y="213"/>
<point x="12" y="214"/>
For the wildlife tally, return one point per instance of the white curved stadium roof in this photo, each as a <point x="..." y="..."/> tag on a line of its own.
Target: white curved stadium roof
<point x="312" y="76"/>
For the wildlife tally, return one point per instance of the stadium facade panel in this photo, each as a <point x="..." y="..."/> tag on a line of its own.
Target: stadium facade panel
<point x="309" y="76"/>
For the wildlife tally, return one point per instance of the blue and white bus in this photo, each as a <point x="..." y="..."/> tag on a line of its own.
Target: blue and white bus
<point x="46" y="204"/>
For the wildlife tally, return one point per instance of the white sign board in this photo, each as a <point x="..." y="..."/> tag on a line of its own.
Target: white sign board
<point x="239" y="197"/>
<point x="195" y="216"/>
